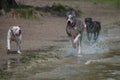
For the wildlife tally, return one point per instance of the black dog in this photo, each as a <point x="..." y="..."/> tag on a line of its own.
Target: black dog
<point x="92" y="27"/>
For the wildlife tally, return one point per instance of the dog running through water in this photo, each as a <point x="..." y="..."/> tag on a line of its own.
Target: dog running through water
<point x="74" y="29"/>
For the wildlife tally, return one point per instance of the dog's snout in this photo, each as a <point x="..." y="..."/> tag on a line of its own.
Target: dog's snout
<point x="69" y="22"/>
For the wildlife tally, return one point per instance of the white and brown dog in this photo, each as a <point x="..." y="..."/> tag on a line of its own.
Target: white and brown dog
<point x="74" y="29"/>
<point x="14" y="34"/>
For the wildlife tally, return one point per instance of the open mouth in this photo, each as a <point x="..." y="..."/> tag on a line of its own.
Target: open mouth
<point x="17" y="34"/>
<point x="69" y="24"/>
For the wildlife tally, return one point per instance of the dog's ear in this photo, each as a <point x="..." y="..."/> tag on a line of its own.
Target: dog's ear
<point x="11" y="27"/>
<point x="71" y="12"/>
<point x="67" y="13"/>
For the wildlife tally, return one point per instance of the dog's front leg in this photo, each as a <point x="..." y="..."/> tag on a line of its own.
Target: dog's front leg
<point x="8" y="40"/>
<point x="73" y="44"/>
<point x="18" y="47"/>
<point x="76" y="38"/>
<point x="79" y="48"/>
<point x="8" y="44"/>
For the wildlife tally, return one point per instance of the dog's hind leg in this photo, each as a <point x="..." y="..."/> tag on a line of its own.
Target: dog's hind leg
<point x="8" y="46"/>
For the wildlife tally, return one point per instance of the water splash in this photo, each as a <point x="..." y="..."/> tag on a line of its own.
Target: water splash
<point x="90" y="47"/>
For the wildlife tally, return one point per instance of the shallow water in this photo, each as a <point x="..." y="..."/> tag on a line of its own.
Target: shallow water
<point x="96" y="63"/>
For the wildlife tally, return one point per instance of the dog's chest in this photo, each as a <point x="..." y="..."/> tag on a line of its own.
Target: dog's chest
<point x="72" y="31"/>
<point x="14" y="37"/>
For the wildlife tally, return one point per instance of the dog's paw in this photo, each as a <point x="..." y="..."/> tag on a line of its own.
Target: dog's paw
<point x="79" y="55"/>
<point x="19" y="52"/>
<point x="8" y="51"/>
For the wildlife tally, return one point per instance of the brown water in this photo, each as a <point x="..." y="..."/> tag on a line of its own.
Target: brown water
<point x="104" y="66"/>
<point x="96" y="63"/>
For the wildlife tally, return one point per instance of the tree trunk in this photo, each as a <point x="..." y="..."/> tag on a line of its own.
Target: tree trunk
<point x="6" y="5"/>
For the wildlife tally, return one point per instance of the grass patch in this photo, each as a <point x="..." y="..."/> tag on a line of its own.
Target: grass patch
<point x="33" y="56"/>
<point x="37" y="62"/>
<point x="41" y="54"/>
<point x="53" y="79"/>
<point x="25" y="13"/>
<point x="117" y="23"/>
<point x="59" y="7"/>
<point x="115" y="3"/>
<point x="31" y="12"/>
<point x="56" y="9"/>
<point x="101" y="1"/>
<point x="38" y="56"/>
<point x="5" y="75"/>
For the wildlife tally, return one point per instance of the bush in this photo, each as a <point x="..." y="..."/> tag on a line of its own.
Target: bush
<point x="25" y="12"/>
<point x="28" y="12"/>
<point x="59" y="7"/>
<point x="5" y="75"/>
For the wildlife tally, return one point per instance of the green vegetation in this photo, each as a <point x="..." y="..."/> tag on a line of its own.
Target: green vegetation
<point x="30" y="12"/>
<point x="116" y="3"/>
<point x="33" y="62"/>
<point x="27" y="13"/>
<point x="59" y="7"/>
<point x="117" y="23"/>
<point x="24" y="12"/>
<point x="45" y="54"/>
<point x="5" y="75"/>
<point x="101" y="1"/>
<point x="35" y="56"/>
<point x="37" y="62"/>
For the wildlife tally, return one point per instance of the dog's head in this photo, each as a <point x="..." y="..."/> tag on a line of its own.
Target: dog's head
<point x="88" y="20"/>
<point x="70" y="18"/>
<point x="16" y="30"/>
